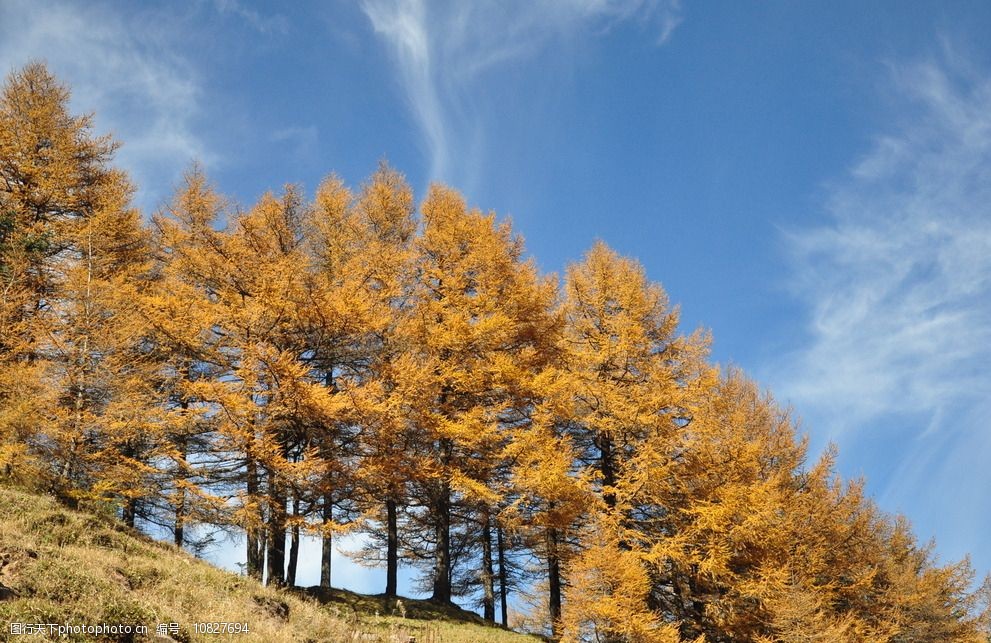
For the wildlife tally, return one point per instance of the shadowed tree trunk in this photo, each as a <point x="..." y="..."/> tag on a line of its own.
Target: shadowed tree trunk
<point x="554" y="580"/>
<point x="327" y="510"/>
<point x="294" y="544"/>
<point x="182" y="442"/>
<point x="277" y="533"/>
<point x="255" y="556"/>
<point x="488" y="589"/>
<point x="392" y="550"/>
<point x="608" y="469"/>
<point x="326" y="540"/>
<point x="503" y="578"/>
<point x="442" y="524"/>
<point x="179" y="529"/>
<point x="130" y="511"/>
<point x="442" y="554"/>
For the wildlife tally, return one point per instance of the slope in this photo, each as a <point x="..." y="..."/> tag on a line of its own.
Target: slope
<point x="85" y="571"/>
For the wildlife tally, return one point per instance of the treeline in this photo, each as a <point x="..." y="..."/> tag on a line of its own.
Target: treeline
<point x="356" y="363"/>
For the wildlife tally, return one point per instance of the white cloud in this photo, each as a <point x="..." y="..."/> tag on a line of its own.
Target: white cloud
<point x="267" y="24"/>
<point x="898" y="286"/>
<point x="125" y="70"/>
<point x="302" y="140"/>
<point x="441" y="48"/>
<point x="899" y="282"/>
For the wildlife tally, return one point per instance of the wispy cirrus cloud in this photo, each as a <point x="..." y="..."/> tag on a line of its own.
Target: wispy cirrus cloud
<point x="125" y="70"/>
<point x="899" y="281"/>
<point x="898" y="288"/>
<point x="264" y="24"/>
<point x="441" y="48"/>
<point x="302" y="141"/>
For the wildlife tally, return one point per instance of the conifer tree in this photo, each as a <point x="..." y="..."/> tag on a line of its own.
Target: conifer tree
<point x="476" y="321"/>
<point x="103" y="435"/>
<point x="270" y="400"/>
<point x="53" y="175"/>
<point x="183" y="316"/>
<point x="334" y="325"/>
<point x="631" y="378"/>
<point x="365" y="251"/>
<point x="245" y="286"/>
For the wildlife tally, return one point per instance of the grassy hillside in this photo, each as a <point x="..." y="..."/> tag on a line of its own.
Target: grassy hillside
<point x="82" y="569"/>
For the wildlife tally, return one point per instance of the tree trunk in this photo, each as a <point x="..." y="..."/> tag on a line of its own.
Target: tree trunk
<point x="554" y="581"/>
<point x="392" y="550"/>
<point x="326" y="540"/>
<point x="277" y="532"/>
<point x="607" y="468"/>
<point x="442" y="514"/>
<point x="442" y="553"/>
<point x="327" y="511"/>
<point x="294" y="546"/>
<point x="254" y="540"/>
<point x="488" y="589"/>
<point x="178" y="530"/>
<point x="503" y="578"/>
<point x="130" y="511"/>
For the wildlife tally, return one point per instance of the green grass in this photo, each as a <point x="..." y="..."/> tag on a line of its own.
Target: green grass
<point x="70" y="567"/>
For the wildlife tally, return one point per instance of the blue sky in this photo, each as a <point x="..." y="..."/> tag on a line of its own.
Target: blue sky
<point x="811" y="181"/>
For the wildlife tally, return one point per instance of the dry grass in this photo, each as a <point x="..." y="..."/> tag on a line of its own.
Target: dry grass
<point x="67" y="567"/>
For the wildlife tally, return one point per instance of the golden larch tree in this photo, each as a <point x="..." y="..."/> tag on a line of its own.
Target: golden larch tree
<point x="631" y="379"/>
<point x="477" y="319"/>
<point x="53" y="174"/>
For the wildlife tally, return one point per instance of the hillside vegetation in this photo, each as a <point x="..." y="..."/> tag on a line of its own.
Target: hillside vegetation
<point x="68" y="567"/>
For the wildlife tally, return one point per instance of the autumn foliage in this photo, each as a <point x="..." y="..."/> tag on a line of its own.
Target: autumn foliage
<point x="355" y="363"/>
